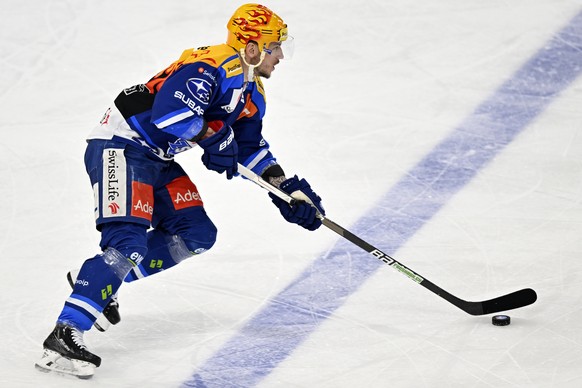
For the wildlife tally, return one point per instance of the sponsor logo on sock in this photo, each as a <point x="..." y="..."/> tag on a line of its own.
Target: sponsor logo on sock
<point x="136" y="258"/>
<point x="107" y="292"/>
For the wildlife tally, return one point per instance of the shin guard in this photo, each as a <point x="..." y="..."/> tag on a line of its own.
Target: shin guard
<point x="164" y="252"/>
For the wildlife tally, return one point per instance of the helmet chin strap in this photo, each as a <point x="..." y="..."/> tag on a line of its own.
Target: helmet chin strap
<point x="251" y="68"/>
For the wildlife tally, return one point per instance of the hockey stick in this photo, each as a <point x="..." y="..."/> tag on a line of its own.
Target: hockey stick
<point x="506" y="302"/>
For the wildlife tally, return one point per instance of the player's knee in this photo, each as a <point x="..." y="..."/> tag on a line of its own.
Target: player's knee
<point x="117" y="262"/>
<point x="129" y="239"/>
<point x="196" y="230"/>
<point x="200" y="237"/>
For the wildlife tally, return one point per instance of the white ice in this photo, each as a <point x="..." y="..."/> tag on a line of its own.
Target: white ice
<point x="372" y="88"/>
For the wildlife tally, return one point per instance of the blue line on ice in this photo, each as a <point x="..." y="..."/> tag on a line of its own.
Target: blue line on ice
<point x="284" y="324"/>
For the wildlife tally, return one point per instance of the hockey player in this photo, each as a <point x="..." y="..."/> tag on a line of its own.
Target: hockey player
<point x="150" y="214"/>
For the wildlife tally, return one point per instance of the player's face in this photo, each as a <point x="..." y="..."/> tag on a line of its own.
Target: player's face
<point x="273" y="55"/>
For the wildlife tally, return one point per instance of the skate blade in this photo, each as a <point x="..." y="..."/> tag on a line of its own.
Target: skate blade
<point x="53" y="362"/>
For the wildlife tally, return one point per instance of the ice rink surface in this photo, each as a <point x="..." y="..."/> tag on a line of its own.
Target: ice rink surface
<point x="445" y="133"/>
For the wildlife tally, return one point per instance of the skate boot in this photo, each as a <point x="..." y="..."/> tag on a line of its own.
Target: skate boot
<point x="66" y="353"/>
<point x="110" y="315"/>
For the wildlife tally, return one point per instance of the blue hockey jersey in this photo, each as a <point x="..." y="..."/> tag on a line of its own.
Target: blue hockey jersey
<point x="166" y="114"/>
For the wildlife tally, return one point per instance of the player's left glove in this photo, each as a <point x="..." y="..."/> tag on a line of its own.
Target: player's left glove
<point x="304" y="211"/>
<point x="220" y="151"/>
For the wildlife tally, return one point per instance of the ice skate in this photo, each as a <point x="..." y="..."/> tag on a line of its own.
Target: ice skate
<point x="110" y="315"/>
<point x="65" y="353"/>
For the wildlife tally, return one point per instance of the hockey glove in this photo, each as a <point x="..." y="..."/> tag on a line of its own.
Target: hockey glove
<point x="221" y="152"/>
<point x="304" y="211"/>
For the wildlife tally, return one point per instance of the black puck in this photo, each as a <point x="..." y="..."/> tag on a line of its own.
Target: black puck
<point x="501" y="320"/>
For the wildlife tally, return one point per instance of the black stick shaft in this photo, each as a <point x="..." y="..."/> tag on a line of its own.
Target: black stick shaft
<point x="506" y="302"/>
<point x="510" y="301"/>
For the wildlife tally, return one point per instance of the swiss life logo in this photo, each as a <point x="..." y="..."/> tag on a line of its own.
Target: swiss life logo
<point x="113" y="208"/>
<point x="114" y="183"/>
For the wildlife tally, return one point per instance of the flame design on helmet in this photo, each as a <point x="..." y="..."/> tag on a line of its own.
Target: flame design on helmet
<point x="255" y="22"/>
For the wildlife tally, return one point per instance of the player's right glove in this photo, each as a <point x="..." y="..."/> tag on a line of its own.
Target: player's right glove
<point x="220" y="150"/>
<point x="303" y="211"/>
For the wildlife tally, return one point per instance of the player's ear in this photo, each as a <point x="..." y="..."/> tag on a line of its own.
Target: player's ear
<point x="252" y="50"/>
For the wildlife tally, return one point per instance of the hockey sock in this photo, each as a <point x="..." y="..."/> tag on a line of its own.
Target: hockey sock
<point x="98" y="279"/>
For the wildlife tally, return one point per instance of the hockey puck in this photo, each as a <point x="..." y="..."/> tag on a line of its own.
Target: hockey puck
<point x="501" y="320"/>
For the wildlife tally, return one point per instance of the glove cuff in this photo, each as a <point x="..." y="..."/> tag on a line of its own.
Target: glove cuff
<point x="222" y="134"/>
<point x="274" y="174"/>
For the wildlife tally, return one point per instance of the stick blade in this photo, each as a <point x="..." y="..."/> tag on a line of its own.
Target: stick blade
<point x="510" y="301"/>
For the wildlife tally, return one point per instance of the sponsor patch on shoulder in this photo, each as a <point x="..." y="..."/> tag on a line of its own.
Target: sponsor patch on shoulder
<point x="200" y="89"/>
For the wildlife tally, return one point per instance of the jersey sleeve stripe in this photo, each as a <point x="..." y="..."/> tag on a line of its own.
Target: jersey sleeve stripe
<point x="256" y="158"/>
<point x="140" y="130"/>
<point x="173" y="117"/>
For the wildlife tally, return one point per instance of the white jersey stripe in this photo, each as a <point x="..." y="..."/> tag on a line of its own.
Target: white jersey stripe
<point x="173" y="118"/>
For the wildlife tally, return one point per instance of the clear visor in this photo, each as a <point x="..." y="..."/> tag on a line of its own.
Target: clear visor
<point x="282" y="50"/>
